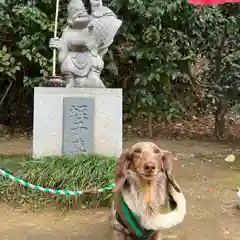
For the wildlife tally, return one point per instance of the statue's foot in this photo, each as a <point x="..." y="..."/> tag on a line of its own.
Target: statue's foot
<point x="69" y="85"/>
<point x="90" y="83"/>
<point x="71" y="81"/>
<point x="100" y="84"/>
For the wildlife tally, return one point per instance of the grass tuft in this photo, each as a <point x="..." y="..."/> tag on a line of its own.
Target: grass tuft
<point x="68" y="173"/>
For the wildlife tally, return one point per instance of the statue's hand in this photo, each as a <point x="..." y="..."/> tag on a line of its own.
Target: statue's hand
<point x="55" y="43"/>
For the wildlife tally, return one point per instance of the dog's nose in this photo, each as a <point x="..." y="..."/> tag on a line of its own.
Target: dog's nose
<point x="149" y="167"/>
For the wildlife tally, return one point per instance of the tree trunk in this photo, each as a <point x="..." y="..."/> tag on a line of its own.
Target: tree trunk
<point x="220" y="120"/>
<point x="150" y="127"/>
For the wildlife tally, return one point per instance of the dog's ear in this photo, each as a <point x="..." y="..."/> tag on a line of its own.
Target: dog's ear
<point x="167" y="168"/>
<point x="167" y="161"/>
<point x="121" y="169"/>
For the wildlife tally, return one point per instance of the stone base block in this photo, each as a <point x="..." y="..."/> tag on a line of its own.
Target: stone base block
<point x="77" y="120"/>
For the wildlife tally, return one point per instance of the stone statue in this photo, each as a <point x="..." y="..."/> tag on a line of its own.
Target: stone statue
<point x="83" y="43"/>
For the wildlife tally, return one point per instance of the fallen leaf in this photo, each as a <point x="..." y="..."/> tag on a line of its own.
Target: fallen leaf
<point x="230" y="158"/>
<point x="212" y="190"/>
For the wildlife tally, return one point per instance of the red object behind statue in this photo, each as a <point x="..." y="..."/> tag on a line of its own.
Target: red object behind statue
<point x="211" y="2"/>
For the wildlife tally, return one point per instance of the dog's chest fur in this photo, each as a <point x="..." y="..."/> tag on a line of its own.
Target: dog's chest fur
<point x="134" y="198"/>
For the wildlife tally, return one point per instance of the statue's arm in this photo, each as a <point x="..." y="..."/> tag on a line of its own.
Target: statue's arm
<point x="63" y="50"/>
<point x="61" y="45"/>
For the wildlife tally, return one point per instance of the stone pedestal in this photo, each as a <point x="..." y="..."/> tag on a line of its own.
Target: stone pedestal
<point x="77" y="120"/>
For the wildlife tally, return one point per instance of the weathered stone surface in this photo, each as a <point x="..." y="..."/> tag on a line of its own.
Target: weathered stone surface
<point x="78" y="118"/>
<point x="49" y="128"/>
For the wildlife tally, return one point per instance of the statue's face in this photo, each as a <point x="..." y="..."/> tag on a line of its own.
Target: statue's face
<point x="78" y="17"/>
<point x="80" y="12"/>
<point x="80" y="22"/>
<point x="96" y="3"/>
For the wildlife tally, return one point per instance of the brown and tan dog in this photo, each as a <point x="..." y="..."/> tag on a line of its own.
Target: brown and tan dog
<point x="144" y="187"/>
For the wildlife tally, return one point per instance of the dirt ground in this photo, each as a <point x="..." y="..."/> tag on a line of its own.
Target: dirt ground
<point x="208" y="182"/>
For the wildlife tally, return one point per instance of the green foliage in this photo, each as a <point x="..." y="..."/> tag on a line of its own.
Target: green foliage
<point x="8" y="64"/>
<point x="219" y="79"/>
<point x="154" y="45"/>
<point x="160" y="43"/>
<point x="223" y="56"/>
<point x="153" y="58"/>
<point x="26" y="30"/>
<point x="25" y="59"/>
<point x="70" y="173"/>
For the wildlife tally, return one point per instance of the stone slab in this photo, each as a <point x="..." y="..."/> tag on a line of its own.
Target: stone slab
<point x="48" y="126"/>
<point x="78" y="114"/>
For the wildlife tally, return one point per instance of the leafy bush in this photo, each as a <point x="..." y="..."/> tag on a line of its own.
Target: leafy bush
<point x="25" y="59"/>
<point x="68" y="173"/>
<point x="154" y="57"/>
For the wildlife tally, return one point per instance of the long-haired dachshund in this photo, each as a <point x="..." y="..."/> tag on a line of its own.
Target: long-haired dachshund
<point x="147" y="198"/>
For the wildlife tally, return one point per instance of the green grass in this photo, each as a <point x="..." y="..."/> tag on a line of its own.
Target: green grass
<point x="68" y="173"/>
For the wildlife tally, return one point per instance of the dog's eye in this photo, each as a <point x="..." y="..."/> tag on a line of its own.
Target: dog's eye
<point x="137" y="150"/>
<point x="156" y="150"/>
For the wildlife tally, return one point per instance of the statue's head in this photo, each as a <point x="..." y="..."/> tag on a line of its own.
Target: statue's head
<point x="96" y="4"/>
<point x="77" y="14"/>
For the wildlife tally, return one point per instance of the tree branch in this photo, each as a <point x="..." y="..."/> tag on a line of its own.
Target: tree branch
<point x="6" y="93"/>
